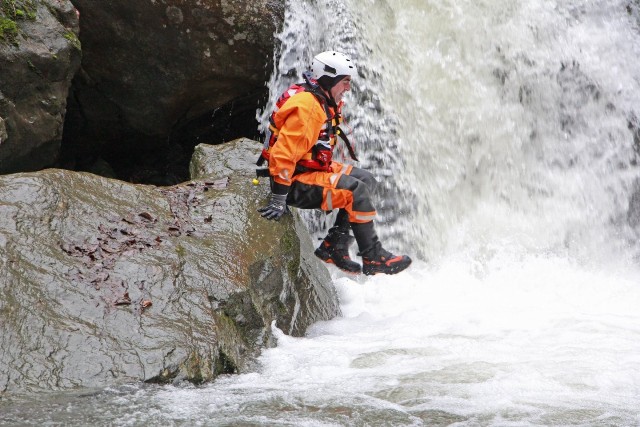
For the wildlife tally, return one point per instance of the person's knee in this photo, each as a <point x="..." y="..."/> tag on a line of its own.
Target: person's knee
<point x="361" y="196"/>
<point x="361" y="191"/>
<point x="366" y="177"/>
<point x="370" y="181"/>
<point x="358" y="188"/>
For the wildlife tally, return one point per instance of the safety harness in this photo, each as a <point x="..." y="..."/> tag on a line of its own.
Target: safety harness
<point x="320" y="156"/>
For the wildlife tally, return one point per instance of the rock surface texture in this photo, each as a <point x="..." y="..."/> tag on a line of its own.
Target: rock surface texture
<point x="106" y="282"/>
<point x="129" y="82"/>
<point x="39" y="55"/>
<point x="151" y="67"/>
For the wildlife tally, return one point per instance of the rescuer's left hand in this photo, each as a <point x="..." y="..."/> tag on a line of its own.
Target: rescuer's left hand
<point x="276" y="208"/>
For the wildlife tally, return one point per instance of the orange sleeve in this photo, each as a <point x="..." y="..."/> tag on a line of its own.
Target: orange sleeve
<point x="300" y="121"/>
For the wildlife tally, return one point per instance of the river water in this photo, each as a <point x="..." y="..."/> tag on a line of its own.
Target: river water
<point x="503" y="136"/>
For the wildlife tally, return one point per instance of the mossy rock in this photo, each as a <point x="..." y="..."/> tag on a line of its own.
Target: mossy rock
<point x="106" y="282"/>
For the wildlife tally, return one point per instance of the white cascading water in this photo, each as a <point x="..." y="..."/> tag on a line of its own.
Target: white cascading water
<point x="503" y="135"/>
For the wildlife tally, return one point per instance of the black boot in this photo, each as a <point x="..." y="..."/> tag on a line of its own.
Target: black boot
<point x="375" y="259"/>
<point x="334" y="249"/>
<point x="379" y="260"/>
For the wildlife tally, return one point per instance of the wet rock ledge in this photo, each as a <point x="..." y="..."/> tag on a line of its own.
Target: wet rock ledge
<point x="105" y="282"/>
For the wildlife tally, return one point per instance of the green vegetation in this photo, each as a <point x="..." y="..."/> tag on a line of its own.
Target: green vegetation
<point x="12" y="11"/>
<point x="18" y="9"/>
<point x="224" y="364"/>
<point x="33" y="68"/>
<point x="73" y="39"/>
<point x="8" y="29"/>
<point x="290" y="246"/>
<point x="181" y="251"/>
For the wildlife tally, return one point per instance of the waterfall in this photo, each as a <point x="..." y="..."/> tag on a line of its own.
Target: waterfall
<point x="312" y="27"/>
<point x="527" y="113"/>
<point x="488" y="124"/>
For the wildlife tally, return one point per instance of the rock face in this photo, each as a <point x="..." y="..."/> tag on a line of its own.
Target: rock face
<point x="106" y="282"/>
<point x="155" y="76"/>
<point x="150" y="67"/>
<point x="39" y="55"/>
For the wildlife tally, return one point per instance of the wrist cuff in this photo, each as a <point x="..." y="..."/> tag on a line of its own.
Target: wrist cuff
<point x="282" y="198"/>
<point x="280" y="189"/>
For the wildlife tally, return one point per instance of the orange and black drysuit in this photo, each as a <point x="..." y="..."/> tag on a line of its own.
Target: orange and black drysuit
<point x="303" y="133"/>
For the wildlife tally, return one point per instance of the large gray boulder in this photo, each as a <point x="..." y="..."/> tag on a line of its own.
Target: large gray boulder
<point x="39" y="55"/>
<point x="105" y="282"/>
<point x="150" y="66"/>
<point x="152" y="71"/>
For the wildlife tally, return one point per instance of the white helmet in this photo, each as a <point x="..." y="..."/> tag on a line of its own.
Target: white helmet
<point x="332" y="64"/>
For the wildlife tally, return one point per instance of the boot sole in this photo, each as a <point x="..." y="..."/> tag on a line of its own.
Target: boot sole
<point x="324" y="256"/>
<point x="384" y="269"/>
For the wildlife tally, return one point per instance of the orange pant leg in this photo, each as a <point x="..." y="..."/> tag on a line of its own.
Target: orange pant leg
<point x="333" y="190"/>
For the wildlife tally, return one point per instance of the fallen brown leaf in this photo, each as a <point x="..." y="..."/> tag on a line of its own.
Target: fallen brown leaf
<point x="147" y="216"/>
<point x="124" y="299"/>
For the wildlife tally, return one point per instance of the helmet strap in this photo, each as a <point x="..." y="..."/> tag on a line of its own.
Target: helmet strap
<point x="319" y="90"/>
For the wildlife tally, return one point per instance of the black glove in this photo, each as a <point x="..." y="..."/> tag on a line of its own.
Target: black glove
<point x="276" y="208"/>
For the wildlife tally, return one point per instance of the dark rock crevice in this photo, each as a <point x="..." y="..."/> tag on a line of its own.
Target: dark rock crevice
<point x="158" y="78"/>
<point x="119" y="151"/>
<point x="127" y="89"/>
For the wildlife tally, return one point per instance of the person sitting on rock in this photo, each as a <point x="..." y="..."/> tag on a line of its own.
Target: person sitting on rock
<point x="299" y="147"/>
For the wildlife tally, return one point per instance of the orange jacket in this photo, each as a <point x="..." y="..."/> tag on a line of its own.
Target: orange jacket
<point x="300" y="121"/>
